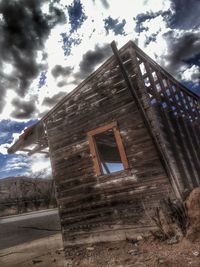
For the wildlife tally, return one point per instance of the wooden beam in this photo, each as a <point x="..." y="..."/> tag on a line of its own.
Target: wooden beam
<point x="133" y="88"/>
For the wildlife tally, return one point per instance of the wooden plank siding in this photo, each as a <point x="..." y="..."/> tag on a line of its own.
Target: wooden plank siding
<point x="177" y="113"/>
<point x="112" y="206"/>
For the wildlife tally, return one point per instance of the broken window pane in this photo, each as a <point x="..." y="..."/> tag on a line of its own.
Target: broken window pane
<point x="108" y="152"/>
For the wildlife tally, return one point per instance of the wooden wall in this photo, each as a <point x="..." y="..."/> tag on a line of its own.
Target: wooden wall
<point x="113" y="206"/>
<point x="177" y="122"/>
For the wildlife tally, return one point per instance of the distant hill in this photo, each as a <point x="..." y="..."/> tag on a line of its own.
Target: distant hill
<point x="24" y="193"/>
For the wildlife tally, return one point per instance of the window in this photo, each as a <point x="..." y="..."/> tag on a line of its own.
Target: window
<point x="107" y="149"/>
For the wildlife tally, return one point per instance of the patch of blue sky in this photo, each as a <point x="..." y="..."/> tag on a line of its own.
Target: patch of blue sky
<point x="193" y="87"/>
<point x="76" y="19"/>
<point x="42" y="79"/>
<point x="113" y="167"/>
<point x="13" y="165"/>
<point x="68" y="42"/>
<point x="8" y="127"/>
<point x="76" y="15"/>
<point x="115" y="25"/>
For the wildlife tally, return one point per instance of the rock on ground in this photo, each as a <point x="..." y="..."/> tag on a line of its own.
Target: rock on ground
<point x="193" y="211"/>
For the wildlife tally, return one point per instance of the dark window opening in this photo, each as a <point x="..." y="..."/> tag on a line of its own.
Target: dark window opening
<point x="108" y="152"/>
<point x="107" y="149"/>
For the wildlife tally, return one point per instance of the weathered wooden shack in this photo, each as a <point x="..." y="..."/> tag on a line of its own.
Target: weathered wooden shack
<point x="124" y="139"/>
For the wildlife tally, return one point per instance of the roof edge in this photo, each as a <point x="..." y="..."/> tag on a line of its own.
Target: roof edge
<point x="77" y="88"/>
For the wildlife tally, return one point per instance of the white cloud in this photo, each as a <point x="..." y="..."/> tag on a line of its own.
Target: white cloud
<point x="17" y="163"/>
<point x="192" y="74"/>
<point x="39" y="163"/>
<point x="7" y="68"/>
<point x="33" y="165"/>
<point x="3" y="148"/>
<point x="8" y="108"/>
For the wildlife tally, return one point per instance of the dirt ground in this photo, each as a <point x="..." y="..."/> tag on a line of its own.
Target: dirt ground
<point x="48" y="252"/>
<point x="44" y="252"/>
<point x="145" y="253"/>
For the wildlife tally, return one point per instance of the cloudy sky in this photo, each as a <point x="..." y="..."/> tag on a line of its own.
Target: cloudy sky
<point x="48" y="47"/>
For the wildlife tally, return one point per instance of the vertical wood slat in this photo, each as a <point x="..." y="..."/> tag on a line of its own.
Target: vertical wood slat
<point x="169" y="126"/>
<point x="184" y="140"/>
<point x="195" y="140"/>
<point x="191" y="125"/>
<point x="191" y="155"/>
<point x="161" y="150"/>
<point x="183" y="136"/>
<point x="186" y="155"/>
<point x="191" y="151"/>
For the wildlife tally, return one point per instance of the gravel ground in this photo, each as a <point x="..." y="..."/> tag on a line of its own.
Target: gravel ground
<point x="44" y="252"/>
<point x="145" y="253"/>
<point x="48" y="252"/>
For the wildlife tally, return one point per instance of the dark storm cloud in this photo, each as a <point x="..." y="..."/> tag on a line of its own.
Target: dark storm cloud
<point x="76" y="15"/>
<point x="104" y="3"/>
<point x="91" y="59"/>
<point x="185" y="14"/>
<point x="2" y="97"/>
<point x="23" y="109"/>
<point x="51" y="101"/>
<point x="193" y="61"/>
<point x="183" y="49"/>
<point x="143" y="17"/>
<point x="61" y="83"/>
<point x="6" y="81"/>
<point x="115" y="25"/>
<point x="58" y="70"/>
<point x="151" y="38"/>
<point x="23" y="31"/>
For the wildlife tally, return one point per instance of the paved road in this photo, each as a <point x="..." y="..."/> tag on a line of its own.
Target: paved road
<point x="15" y="230"/>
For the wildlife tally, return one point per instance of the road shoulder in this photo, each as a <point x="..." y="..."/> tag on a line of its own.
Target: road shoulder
<point x="41" y="253"/>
